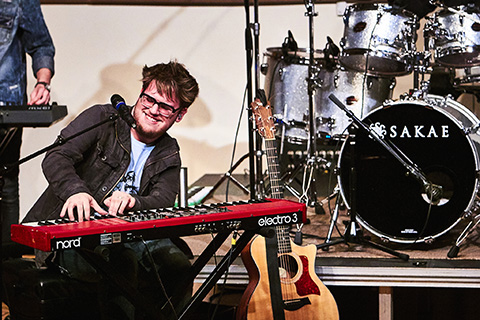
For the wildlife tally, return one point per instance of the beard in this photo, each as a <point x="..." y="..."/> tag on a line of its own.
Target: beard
<point x="148" y="134"/>
<point x="144" y="131"/>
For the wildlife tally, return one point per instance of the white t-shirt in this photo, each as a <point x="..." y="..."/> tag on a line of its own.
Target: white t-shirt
<point x="130" y="182"/>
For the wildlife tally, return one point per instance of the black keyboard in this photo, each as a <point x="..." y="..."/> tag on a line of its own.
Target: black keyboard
<point x="32" y="116"/>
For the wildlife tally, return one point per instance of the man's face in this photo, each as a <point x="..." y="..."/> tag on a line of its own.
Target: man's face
<point x="154" y="114"/>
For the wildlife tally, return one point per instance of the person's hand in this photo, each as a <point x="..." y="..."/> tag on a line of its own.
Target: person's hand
<point x="39" y="95"/>
<point x="82" y="202"/>
<point x="119" y="202"/>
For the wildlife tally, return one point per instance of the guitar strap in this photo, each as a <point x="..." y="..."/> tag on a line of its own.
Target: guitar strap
<point x="271" y="246"/>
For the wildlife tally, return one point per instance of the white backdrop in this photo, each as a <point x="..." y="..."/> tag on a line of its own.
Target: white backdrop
<point x="101" y="50"/>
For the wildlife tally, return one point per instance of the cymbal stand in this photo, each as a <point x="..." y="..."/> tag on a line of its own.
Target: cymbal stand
<point x="310" y="195"/>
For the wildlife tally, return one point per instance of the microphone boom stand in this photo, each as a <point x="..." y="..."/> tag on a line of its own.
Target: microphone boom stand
<point x="353" y="233"/>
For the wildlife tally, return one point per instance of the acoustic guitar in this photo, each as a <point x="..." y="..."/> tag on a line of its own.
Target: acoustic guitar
<point x="303" y="295"/>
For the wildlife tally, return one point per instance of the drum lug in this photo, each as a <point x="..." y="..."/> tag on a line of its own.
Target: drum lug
<point x="429" y="240"/>
<point x="336" y="171"/>
<point x="264" y="68"/>
<point x="335" y="80"/>
<point x="468" y="214"/>
<point x="281" y="73"/>
<point x="461" y="37"/>
<point x="393" y="83"/>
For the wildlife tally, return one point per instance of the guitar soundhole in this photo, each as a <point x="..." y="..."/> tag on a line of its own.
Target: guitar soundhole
<point x="288" y="267"/>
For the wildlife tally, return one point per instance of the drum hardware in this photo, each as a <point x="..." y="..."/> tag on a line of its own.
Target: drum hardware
<point x="318" y="163"/>
<point x="310" y="178"/>
<point x="421" y="66"/>
<point x="334" y="217"/>
<point x="474" y="222"/>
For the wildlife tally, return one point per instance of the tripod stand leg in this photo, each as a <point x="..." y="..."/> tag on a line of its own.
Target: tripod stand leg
<point x="228" y="175"/>
<point x="289" y="177"/>
<point x="453" y="252"/>
<point x="403" y="256"/>
<point x="333" y="220"/>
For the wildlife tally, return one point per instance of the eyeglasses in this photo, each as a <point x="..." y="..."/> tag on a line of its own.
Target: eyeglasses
<point x="165" y="109"/>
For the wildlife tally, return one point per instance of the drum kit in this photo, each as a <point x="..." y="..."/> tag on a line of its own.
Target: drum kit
<point x="417" y="178"/>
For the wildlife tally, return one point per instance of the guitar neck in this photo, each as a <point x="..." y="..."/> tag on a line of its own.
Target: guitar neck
<point x="283" y="235"/>
<point x="273" y="168"/>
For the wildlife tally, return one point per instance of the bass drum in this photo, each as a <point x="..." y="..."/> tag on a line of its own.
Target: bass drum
<point x="286" y="75"/>
<point x="431" y="133"/>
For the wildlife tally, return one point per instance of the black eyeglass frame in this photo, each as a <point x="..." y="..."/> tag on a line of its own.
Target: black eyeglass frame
<point x="161" y="105"/>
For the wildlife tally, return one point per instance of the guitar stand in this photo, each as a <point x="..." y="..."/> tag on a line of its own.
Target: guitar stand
<point x="353" y="233"/>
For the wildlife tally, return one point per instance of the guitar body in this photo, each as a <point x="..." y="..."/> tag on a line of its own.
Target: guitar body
<point x="303" y="295"/>
<point x="300" y="283"/>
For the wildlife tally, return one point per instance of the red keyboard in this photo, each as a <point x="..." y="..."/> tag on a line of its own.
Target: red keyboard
<point x="52" y="235"/>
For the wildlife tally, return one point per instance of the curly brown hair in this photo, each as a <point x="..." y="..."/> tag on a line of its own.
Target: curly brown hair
<point x="173" y="80"/>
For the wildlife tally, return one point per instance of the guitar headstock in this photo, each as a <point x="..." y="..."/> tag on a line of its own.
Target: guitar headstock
<point x="262" y="113"/>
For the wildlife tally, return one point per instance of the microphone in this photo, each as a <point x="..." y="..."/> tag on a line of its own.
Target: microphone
<point x="332" y="47"/>
<point x="434" y="193"/>
<point x="289" y="44"/>
<point x="123" y="110"/>
<point x="292" y="44"/>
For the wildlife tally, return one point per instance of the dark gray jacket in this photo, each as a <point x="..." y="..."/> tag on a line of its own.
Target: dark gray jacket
<point x="95" y="161"/>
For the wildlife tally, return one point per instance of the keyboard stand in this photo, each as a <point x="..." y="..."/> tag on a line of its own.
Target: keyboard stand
<point x="219" y="270"/>
<point x="136" y="298"/>
<point x="118" y="280"/>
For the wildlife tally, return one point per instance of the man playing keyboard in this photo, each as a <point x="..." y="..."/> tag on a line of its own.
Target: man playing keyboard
<point x="118" y="167"/>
